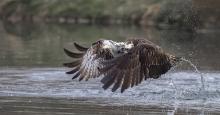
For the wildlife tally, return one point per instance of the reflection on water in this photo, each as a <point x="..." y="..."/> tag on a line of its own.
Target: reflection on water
<point x="27" y="88"/>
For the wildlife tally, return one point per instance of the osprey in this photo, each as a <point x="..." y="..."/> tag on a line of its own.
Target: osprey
<point x="121" y="64"/>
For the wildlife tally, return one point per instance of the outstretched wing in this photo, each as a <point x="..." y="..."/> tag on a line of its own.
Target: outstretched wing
<point x="85" y="64"/>
<point x="141" y="62"/>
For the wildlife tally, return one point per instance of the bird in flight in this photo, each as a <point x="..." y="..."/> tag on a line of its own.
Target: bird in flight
<point x="120" y="64"/>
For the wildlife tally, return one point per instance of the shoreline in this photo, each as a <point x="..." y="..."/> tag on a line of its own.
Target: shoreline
<point x="190" y="14"/>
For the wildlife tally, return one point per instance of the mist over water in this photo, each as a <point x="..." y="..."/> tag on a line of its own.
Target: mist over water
<point x="31" y="72"/>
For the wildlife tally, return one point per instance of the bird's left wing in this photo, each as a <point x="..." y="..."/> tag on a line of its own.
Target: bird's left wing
<point x="123" y="71"/>
<point x="133" y="67"/>
<point x="85" y="64"/>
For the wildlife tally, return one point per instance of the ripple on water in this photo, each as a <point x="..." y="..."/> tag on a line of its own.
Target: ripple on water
<point x="181" y="87"/>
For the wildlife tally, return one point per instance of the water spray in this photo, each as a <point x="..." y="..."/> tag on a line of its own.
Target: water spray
<point x="197" y="71"/>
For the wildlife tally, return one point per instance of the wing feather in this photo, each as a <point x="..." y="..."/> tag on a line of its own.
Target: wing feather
<point x="137" y="76"/>
<point x="72" y="64"/>
<point x="118" y="82"/>
<point x="83" y="72"/>
<point x="72" y="54"/>
<point x="87" y="63"/>
<point x="80" y="48"/>
<point x="108" y="80"/>
<point x="89" y="71"/>
<point x="126" y="82"/>
<point x="134" y="77"/>
<point x="141" y="62"/>
<point x="73" y="71"/>
<point x="77" y="74"/>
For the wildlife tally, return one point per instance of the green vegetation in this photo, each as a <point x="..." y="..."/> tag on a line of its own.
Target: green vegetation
<point x="86" y="9"/>
<point x="178" y="13"/>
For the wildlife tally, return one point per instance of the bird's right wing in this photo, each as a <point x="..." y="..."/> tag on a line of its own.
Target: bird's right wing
<point x="86" y="63"/>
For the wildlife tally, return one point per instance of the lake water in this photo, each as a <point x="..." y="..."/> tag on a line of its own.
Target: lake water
<point x="33" y="81"/>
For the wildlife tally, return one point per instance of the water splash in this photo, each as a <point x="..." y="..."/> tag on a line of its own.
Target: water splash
<point x="202" y="89"/>
<point x="197" y="71"/>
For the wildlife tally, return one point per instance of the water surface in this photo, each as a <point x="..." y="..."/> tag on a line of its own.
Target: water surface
<point x="33" y="81"/>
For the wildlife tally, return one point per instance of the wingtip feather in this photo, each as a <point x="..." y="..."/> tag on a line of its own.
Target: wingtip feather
<point x="80" y="48"/>
<point x="72" y="64"/>
<point x="72" y="54"/>
<point x="76" y="75"/>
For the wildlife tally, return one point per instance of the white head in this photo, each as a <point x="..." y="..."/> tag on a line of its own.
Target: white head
<point x="116" y="48"/>
<point x="109" y="44"/>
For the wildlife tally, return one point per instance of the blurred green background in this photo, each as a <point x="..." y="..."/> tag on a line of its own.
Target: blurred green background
<point x="184" y="14"/>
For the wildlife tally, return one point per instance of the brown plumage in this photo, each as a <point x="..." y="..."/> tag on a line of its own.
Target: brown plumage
<point x="139" y="59"/>
<point x="86" y="62"/>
